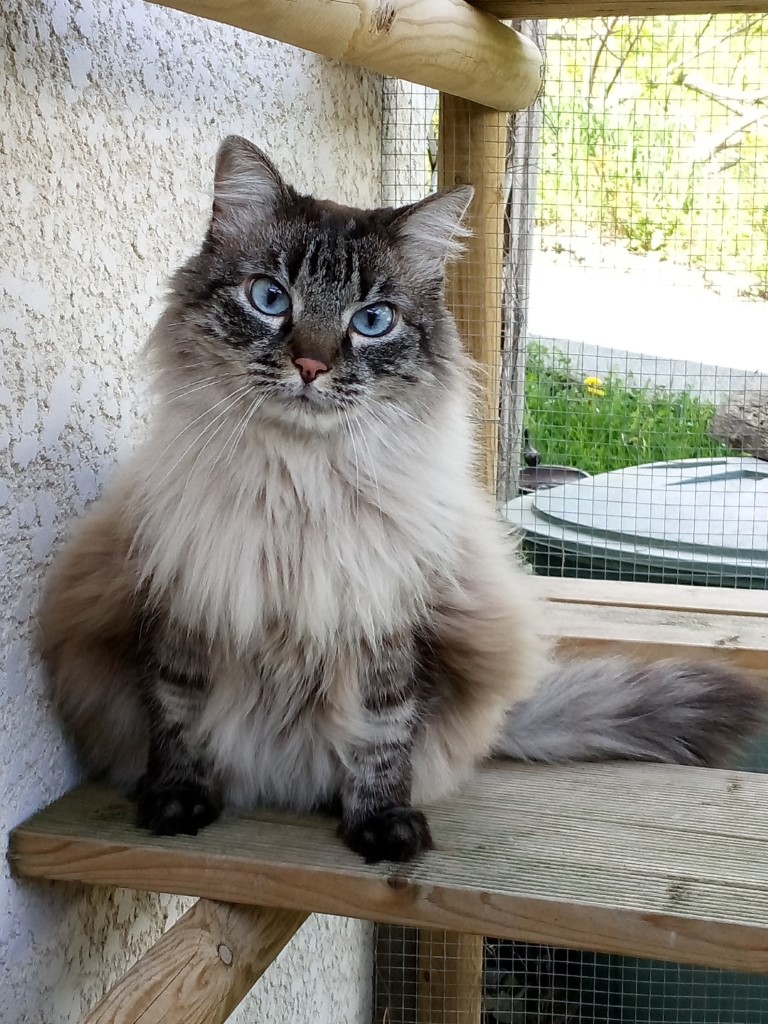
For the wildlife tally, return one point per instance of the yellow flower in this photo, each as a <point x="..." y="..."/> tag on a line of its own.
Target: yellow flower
<point x="594" y="386"/>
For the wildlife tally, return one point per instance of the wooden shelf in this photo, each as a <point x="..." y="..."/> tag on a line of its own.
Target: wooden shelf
<point x="650" y="620"/>
<point x="653" y="861"/>
<point x="604" y="8"/>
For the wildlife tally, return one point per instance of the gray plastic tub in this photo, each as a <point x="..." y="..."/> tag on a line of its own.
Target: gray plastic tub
<point x="701" y="521"/>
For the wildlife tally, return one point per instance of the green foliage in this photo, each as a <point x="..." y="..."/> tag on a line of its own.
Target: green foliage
<point x="603" y="425"/>
<point x="636" y="146"/>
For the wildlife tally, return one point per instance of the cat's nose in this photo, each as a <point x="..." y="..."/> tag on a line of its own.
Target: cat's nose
<point x="310" y="368"/>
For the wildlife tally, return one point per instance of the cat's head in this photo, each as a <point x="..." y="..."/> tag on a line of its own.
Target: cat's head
<point x="306" y="312"/>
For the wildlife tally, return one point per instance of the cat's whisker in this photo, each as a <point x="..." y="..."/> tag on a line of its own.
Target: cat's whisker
<point x="203" y="415"/>
<point x="354" y="453"/>
<point x="250" y="412"/>
<point x="191" y="386"/>
<point x="221" y="416"/>
<point x="188" y="389"/>
<point x="372" y="469"/>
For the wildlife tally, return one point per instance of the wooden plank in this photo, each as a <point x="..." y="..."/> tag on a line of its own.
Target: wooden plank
<point x="472" y="149"/>
<point x="646" y="860"/>
<point x="450" y="987"/>
<point x="581" y="629"/>
<point x="202" y="968"/>
<point x="662" y="596"/>
<point x="445" y="44"/>
<point x="604" y="8"/>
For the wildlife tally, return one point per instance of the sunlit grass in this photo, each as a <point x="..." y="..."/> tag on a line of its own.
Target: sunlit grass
<point x="600" y="425"/>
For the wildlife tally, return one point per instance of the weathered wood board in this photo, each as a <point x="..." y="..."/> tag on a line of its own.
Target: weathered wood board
<point x="647" y="860"/>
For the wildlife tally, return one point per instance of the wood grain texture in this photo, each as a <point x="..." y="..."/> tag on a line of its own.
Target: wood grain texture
<point x="654" y="633"/>
<point x="202" y="968"/>
<point x="450" y="989"/>
<point x="646" y="860"/>
<point x="603" y="8"/>
<point x="661" y="596"/>
<point x="473" y="151"/>
<point x="445" y="44"/>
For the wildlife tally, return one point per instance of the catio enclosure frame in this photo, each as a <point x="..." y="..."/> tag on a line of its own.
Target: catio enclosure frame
<point x="257" y="879"/>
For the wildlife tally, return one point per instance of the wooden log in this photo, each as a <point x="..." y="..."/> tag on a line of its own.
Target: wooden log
<point x="202" y="967"/>
<point x="472" y="149"/>
<point x="444" y="44"/>
<point x="450" y="989"/>
<point x="604" y="8"/>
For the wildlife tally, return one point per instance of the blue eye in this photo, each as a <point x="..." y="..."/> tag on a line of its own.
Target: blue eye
<point x="269" y="297"/>
<point x="373" y="321"/>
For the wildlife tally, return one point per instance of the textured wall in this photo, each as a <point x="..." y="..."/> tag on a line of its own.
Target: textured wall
<point x="110" y="114"/>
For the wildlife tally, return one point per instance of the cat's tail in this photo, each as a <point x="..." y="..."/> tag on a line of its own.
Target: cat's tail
<point x="678" y="712"/>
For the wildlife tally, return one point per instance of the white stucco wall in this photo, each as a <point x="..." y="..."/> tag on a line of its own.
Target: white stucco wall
<point x="110" y="112"/>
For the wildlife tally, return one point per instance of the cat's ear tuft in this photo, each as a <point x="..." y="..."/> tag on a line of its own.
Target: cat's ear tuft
<point x="248" y="189"/>
<point x="432" y="230"/>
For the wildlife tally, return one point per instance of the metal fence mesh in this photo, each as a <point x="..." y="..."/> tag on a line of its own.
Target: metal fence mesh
<point x="524" y="983"/>
<point x="632" y="223"/>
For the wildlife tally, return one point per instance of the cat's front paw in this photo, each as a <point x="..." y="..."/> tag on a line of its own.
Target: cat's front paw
<point x="168" y="810"/>
<point x="399" y="834"/>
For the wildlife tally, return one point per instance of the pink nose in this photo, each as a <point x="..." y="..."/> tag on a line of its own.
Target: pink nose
<point x="310" y="368"/>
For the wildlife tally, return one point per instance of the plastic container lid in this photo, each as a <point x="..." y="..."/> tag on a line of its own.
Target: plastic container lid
<point x="693" y="520"/>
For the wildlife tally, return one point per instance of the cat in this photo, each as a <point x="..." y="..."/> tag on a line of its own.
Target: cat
<point x="295" y="593"/>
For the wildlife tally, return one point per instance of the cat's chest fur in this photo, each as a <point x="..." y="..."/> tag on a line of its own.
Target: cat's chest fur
<point x="296" y="564"/>
<point x="330" y="544"/>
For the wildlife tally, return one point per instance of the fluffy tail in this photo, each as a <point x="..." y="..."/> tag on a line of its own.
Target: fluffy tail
<point x="693" y="713"/>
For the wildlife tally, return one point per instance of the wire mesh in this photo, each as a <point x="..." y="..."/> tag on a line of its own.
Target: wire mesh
<point x="523" y="983"/>
<point x="646" y="336"/>
<point x="616" y="303"/>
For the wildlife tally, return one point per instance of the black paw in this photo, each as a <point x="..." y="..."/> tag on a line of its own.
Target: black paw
<point x="172" y="809"/>
<point x="399" y="834"/>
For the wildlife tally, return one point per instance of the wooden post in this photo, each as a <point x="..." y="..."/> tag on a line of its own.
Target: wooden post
<point x="450" y="978"/>
<point x="473" y="150"/>
<point x="522" y="165"/>
<point x="202" y="967"/>
<point x="444" y="44"/>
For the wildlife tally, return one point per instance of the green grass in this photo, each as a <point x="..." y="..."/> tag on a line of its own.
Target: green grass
<point x="625" y="426"/>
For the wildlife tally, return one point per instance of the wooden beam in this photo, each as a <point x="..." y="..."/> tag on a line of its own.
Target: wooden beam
<point x="445" y="44"/>
<point x="645" y="860"/>
<point x="472" y="149"/>
<point x="202" y="968"/>
<point x="669" y="597"/>
<point x="583" y="629"/>
<point x="450" y="987"/>
<point x="603" y="8"/>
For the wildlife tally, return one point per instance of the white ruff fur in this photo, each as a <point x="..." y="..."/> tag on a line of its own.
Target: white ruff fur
<point x="293" y="553"/>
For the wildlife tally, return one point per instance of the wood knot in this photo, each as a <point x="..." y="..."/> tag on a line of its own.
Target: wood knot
<point x="677" y="893"/>
<point x="398" y="882"/>
<point x="225" y="954"/>
<point x="384" y="16"/>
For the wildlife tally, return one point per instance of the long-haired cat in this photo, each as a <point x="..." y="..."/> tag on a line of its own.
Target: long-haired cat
<point x="295" y="593"/>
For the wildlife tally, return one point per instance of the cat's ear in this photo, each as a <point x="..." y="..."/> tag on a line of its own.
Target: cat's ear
<point x="432" y="229"/>
<point x="248" y="189"/>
